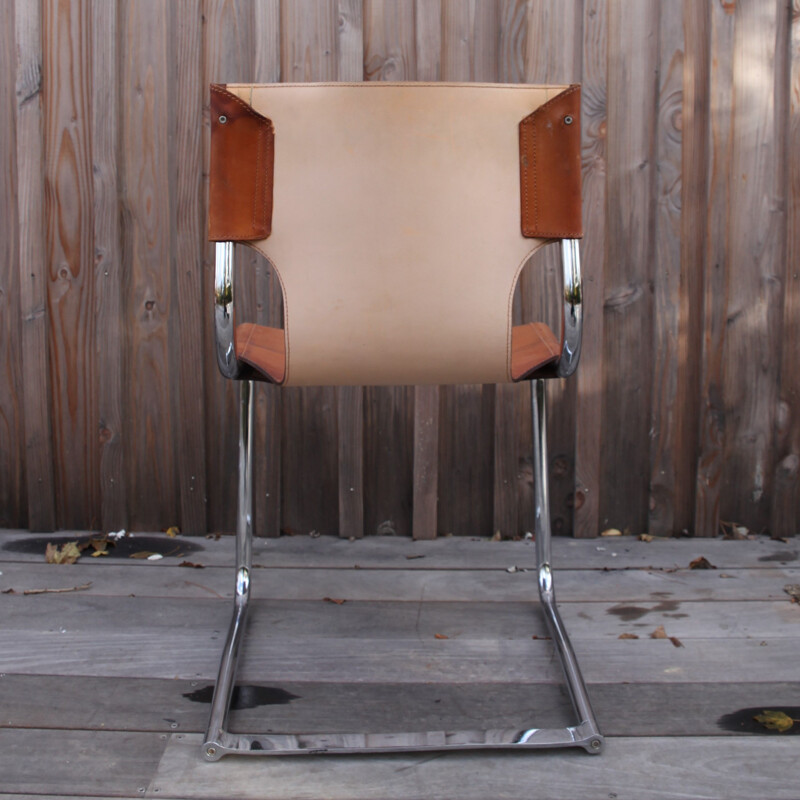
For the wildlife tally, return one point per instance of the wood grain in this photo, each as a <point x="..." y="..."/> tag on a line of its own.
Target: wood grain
<point x="628" y="303"/>
<point x="716" y="277"/>
<point x="753" y="320"/>
<point x="426" y="462"/>
<point x="36" y="390"/>
<point x="785" y="516"/>
<point x="589" y="377"/>
<point x="109" y="281"/>
<point x="188" y="225"/>
<point x="667" y="405"/>
<point x="13" y="501"/>
<point x="70" y="286"/>
<point x="149" y="300"/>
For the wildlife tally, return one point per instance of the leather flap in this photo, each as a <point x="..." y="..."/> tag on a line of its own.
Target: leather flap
<point x="241" y="171"/>
<point x="550" y="168"/>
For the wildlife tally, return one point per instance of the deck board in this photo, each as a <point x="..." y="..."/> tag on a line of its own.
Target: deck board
<point x="104" y="680"/>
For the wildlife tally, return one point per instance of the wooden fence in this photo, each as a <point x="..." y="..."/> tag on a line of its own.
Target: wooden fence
<point x="686" y="407"/>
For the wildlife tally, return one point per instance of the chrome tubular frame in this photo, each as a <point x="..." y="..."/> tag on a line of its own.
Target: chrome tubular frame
<point x="572" y="324"/>
<point x="219" y="741"/>
<point x="224" y="324"/>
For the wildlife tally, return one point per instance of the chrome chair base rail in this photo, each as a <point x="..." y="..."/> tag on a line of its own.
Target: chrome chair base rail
<point x="220" y="742"/>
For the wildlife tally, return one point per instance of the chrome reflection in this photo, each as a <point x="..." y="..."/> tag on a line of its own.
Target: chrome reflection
<point x="224" y="325"/>
<point x="572" y="325"/>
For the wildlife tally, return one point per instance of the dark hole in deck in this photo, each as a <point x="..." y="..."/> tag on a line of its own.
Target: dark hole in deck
<point x="743" y="721"/>
<point x="790" y="555"/>
<point x="246" y="696"/>
<point x="122" y="548"/>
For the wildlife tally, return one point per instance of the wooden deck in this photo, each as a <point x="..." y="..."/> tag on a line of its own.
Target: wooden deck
<point x="104" y="691"/>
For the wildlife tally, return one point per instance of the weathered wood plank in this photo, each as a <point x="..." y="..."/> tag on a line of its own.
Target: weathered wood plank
<point x="86" y="763"/>
<point x="647" y="768"/>
<point x="70" y="286"/>
<point x="716" y="277"/>
<point x="149" y="301"/>
<point x="36" y="390"/>
<point x="13" y="501"/>
<point x="589" y="377"/>
<point x="694" y="204"/>
<point x="667" y="405"/>
<point x="188" y="352"/>
<point x="628" y="306"/>
<point x="753" y="317"/>
<point x="165" y="706"/>
<point x="412" y="586"/>
<point x="616" y="553"/>
<point x="409" y="659"/>
<point x="108" y="289"/>
<point x="426" y="462"/>
<point x="278" y="619"/>
<point x="428" y="15"/>
<point x="785" y="512"/>
<point x="350" y="412"/>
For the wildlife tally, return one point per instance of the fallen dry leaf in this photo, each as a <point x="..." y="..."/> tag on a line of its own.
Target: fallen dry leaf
<point x="411" y="558"/>
<point x="173" y="531"/>
<point x="701" y="562"/>
<point x="8" y="591"/>
<point x="659" y="633"/>
<point x="191" y="564"/>
<point x="68" y="553"/>
<point x="440" y="636"/>
<point x="627" y="636"/>
<point x="337" y="600"/>
<point x="793" y="590"/>
<point x="676" y="641"/>
<point x="775" y="720"/>
<point x="143" y="554"/>
<point x="612" y="532"/>
<point x="497" y="536"/>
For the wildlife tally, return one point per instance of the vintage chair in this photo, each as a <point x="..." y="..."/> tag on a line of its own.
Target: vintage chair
<point x="399" y="218"/>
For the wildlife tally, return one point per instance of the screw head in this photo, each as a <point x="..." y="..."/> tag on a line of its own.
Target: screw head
<point x="596" y="744"/>
<point x="211" y="751"/>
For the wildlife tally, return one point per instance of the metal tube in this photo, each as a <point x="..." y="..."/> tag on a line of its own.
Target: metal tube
<point x="547" y="594"/>
<point x="216" y="736"/>
<point x="224" y="323"/>
<point x="572" y="320"/>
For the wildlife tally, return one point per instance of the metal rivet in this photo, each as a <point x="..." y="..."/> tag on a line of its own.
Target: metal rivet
<point x="568" y="119"/>
<point x="596" y="744"/>
<point x="223" y="119"/>
<point x="211" y="751"/>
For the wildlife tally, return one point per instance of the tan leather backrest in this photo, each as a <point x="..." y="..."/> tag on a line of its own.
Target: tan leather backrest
<point x="394" y="222"/>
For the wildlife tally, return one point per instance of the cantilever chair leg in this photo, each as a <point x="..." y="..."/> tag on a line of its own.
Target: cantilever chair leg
<point x="219" y="741"/>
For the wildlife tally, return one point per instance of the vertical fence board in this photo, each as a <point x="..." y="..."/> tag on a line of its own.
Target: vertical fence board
<point x="469" y="52"/>
<point x="757" y="223"/>
<point x="389" y="53"/>
<point x="716" y="275"/>
<point x="553" y="54"/>
<point x="310" y="485"/>
<point x="694" y="200"/>
<point x="13" y="505"/>
<point x="70" y="288"/>
<point x="589" y="377"/>
<point x="785" y="516"/>
<point x="186" y="174"/>
<point x="149" y="300"/>
<point x="628" y="334"/>
<point x="666" y="405"/>
<point x="268" y="398"/>
<point x="229" y="58"/>
<point x="109" y="325"/>
<point x="36" y="391"/>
